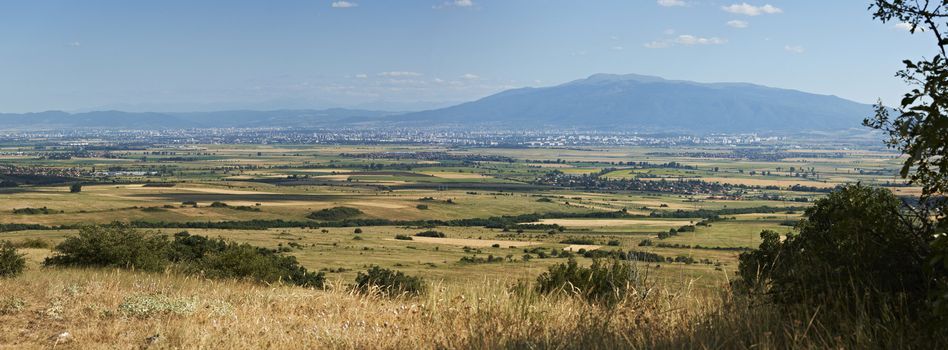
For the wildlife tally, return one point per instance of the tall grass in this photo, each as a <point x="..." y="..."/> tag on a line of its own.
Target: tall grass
<point x="108" y="308"/>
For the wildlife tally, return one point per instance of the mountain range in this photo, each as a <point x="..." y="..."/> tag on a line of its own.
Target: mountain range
<point x="601" y="101"/>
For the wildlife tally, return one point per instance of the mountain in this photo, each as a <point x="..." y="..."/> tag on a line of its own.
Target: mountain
<point x="222" y="119"/>
<point x="602" y="101"/>
<point x="638" y="102"/>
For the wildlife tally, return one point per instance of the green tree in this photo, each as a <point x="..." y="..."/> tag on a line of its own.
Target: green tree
<point x="75" y="188"/>
<point x="855" y="242"/>
<point x="919" y="128"/>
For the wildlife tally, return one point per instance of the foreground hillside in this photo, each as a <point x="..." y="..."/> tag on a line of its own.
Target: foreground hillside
<point x="92" y="308"/>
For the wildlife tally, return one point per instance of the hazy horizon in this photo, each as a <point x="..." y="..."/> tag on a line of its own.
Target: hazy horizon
<point x="416" y="55"/>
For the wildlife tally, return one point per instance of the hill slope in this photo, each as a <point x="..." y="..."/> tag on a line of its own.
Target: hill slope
<point x="605" y="101"/>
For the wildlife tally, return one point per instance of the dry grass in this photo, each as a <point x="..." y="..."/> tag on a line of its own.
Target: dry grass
<point x="109" y="309"/>
<point x="94" y="309"/>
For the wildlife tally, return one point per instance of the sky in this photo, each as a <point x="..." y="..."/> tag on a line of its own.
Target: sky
<point x="186" y="55"/>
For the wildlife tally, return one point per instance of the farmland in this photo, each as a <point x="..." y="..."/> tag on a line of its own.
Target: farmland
<point x="607" y="196"/>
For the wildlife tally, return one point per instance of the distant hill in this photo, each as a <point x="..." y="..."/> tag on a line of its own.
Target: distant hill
<point x="222" y="119"/>
<point x="637" y="102"/>
<point x="602" y="101"/>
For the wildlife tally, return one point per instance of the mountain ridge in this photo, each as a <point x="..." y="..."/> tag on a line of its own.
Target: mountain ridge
<point x="599" y="102"/>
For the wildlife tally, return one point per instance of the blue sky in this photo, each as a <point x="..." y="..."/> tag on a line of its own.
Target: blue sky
<point x="208" y="55"/>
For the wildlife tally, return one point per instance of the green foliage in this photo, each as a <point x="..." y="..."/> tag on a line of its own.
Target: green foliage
<point x="335" y="213"/>
<point x="217" y="258"/>
<point x="422" y="207"/>
<point x="12" y="263"/>
<point x="584" y="241"/>
<point x="112" y="246"/>
<point x="35" y="243"/>
<point x="431" y="233"/>
<point x="388" y="282"/>
<point x="920" y="130"/>
<point x="403" y="237"/>
<point x="75" y="188"/>
<point x="854" y="241"/>
<point x="605" y="281"/>
<point x="31" y="211"/>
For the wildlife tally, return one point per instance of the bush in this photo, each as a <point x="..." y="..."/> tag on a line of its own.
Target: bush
<point x="12" y="263"/>
<point x="853" y="243"/>
<point x="403" y="237"/>
<point x="431" y="233"/>
<point x="605" y="281"/>
<point x="34" y="243"/>
<point x="75" y="188"/>
<point x="584" y="241"/>
<point x="422" y="207"/>
<point x="614" y="243"/>
<point x="358" y="230"/>
<point x="388" y="282"/>
<point x="112" y="246"/>
<point x="217" y="258"/>
<point x="335" y="213"/>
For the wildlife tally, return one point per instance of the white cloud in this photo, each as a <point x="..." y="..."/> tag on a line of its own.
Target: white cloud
<point x="797" y="49"/>
<point x="657" y="44"/>
<point x="400" y="74"/>
<point x="470" y="76"/>
<point x="456" y="3"/>
<point x="907" y="27"/>
<point x="343" y="4"/>
<point x="362" y="76"/>
<point x="671" y="3"/>
<point x="737" y="24"/>
<point x="697" y="40"/>
<point x="751" y="10"/>
<point x="618" y="48"/>
<point x="75" y="44"/>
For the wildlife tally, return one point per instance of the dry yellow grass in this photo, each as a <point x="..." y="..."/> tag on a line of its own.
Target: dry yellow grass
<point x="98" y="309"/>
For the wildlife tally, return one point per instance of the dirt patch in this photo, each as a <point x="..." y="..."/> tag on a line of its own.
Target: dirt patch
<point x="475" y="243"/>
<point x="610" y="222"/>
<point x="458" y="175"/>
<point x="379" y="205"/>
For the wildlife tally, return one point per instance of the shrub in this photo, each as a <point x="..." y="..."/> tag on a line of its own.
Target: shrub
<point x="422" y="207"/>
<point x="614" y="243"/>
<point x="12" y="262"/>
<point x="853" y="243"/>
<point x="403" y="237"/>
<point x="646" y="243"/>
<point x="358" y="230"/>
<point x="112" y="246"/>
<point x="219" y="205"/>
<point x="605" y="281"/>
<point x="335" y="213"/>
<point x="388" y="282"/>
<point x="35" y="243"/>
<point x="431" y="233"/>
<point x="584" y="241"/>
<point x="544" y="200"/>
<point x="75" y="188"/>
<point x="217" y="258"/>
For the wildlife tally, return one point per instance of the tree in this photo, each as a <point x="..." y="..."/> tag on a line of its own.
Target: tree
<point x="75" y="188"/>
<point x="920" y="128"/>
<point x="855" y="242"/>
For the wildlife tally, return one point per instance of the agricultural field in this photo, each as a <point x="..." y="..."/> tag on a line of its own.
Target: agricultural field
<point x="686" y="212"/>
